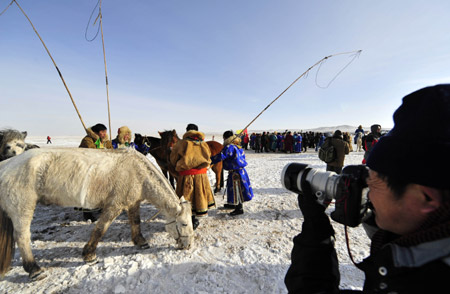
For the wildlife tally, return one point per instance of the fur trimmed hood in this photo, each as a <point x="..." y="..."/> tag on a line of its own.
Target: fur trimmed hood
<point x="236" y="140"/>
<point x="194" y="135"/>
<point x="121" y="132"/>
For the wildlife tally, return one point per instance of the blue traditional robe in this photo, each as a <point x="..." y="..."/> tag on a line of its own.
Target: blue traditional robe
<point x="298" y="143"/>
<point x="233" y="158"/>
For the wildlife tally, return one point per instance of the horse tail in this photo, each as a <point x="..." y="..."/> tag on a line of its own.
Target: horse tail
<point x="6" y="242"/>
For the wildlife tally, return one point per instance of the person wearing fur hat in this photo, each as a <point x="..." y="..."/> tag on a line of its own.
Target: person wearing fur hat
<point x="341" y="148"/>
<point x="191" y="158"/>
<point x="123" y="139"/>
<point x="239" y="188"/>
<point x="96" y="138"/>
<point x="410" y="194"/>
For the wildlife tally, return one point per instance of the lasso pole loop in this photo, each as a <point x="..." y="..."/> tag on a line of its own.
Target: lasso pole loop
<point x="4" y="10"/>
<point x="54" y="63"/>
<point x="106" y="72"/>
<point x="357" y="52"/>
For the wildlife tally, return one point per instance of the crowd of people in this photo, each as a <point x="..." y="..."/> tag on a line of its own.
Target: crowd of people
<point x="289" y="142"/>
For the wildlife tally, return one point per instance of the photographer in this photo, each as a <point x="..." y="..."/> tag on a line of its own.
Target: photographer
<point x="410" y="194"/>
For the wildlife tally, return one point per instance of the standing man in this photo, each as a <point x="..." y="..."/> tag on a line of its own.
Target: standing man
<point x="370" y="140"/>
<point x="96" y="138"/>
<point x="410" y="194"/>
<point x="341" y="148"/>
<point x="49" y="140"/>
<point x="191" y="158"/>
<point x="239" y="188"/>
<point x="358" y="130"/>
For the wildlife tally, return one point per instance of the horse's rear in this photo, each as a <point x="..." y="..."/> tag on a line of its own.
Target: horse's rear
<point x="215" y="148"/>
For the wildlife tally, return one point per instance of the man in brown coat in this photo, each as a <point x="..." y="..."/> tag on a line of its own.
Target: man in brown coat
<point x="191" y="158"/>
<point x="341" y="148"/>
<point x="96" y="138"/>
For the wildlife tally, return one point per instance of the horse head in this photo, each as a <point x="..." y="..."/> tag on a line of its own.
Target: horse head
<point x="12" y="143"/>
<point x="180" y="227"/>
<point x="168" y="139"/>
<point x="142" y="142"/>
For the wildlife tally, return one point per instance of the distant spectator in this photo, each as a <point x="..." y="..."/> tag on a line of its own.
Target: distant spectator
<point x="289" y="143"/>
<point x="358" y="130"/>
<point x="49" y="140"/>
<point x="348" y="139"/>
<point x="341" y="148"/>
<point x="321" y="140"/>
<point x="370" y="140"/>
<point x="258" y="139"/>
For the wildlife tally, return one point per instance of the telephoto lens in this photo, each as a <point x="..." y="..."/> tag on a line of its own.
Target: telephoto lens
<point x="349" y="190"/>
<point x="323" y="184"/>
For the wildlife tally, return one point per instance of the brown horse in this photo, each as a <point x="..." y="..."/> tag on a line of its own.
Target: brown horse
<point x="168" y="140"/>
<point x="152" y="145"/>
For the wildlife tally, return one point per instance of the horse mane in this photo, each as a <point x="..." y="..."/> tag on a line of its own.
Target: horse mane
<point x="169" y="203"/>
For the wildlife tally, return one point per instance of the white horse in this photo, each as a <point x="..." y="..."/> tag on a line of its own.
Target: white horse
<point x="12" y="143"/>
<point x="359" y="141"/>
<point x="76" y="177"/>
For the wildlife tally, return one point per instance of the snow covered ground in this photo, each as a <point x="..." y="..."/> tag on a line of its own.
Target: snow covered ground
<point x="245" y="254"/>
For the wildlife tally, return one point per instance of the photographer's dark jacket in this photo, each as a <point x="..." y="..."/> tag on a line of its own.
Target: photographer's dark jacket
<point x="415" y="263"/>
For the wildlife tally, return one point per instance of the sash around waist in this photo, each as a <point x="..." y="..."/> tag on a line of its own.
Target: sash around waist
<point x="193" y="171"/>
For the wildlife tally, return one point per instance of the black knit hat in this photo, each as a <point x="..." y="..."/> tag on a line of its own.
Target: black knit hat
<point x="98" y="127"/>
<point x="417" y="149"/>
<point x="191" y="127"/>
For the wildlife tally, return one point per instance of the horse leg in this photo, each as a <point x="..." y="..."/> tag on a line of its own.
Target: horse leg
<point x="23" y="238"/>
<point x="106" y="218"/>
<point x="217" y="169"/>
<point x="172" y="180"/>
<point x="134" y="217"/>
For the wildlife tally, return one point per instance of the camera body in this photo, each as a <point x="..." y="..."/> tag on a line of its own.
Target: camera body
<point x="349" y="189"/>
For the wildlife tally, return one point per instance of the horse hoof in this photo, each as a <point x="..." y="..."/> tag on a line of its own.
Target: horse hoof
<point x="91" y="260"/>
<point x="144" y="246"/>
<point x="39" y="275"/>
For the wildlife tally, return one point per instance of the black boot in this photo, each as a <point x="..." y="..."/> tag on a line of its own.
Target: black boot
<point x="195" y="222"/>
<point x="229" y="206"/>
<point x="238" y="210"/>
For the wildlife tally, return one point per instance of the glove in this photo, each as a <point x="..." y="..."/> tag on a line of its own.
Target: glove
<point x="316" y="227"/>
<point x="308" y="204"/>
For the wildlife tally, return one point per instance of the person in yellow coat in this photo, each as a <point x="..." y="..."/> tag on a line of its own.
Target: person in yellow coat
<point x="191" y="158"/>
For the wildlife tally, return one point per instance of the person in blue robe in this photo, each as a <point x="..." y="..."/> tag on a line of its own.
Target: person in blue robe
<point x="239" y="189"/>
<point x="298" y="143"/>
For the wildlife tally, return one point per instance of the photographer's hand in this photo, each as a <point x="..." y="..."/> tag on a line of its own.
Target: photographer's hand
<point x="316" y="226"/>
<point x="314" y="267"/>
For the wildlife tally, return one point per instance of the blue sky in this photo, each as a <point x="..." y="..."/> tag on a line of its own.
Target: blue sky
<point x="217" y="63"/>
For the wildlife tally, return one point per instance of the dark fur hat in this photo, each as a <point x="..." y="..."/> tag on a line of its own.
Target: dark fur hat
<point x="191" y="127"/>
<point x="98" y="127"/>
<point x="227" y="134"/>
